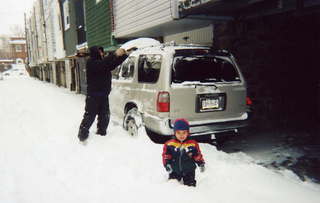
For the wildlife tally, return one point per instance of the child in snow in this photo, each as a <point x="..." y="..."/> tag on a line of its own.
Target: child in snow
<point x="181" y="154"/>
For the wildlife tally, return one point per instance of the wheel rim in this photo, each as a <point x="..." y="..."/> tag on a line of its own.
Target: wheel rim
<point x="132" y="127"/>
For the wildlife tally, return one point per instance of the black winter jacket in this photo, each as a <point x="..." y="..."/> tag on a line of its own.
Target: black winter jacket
<point x="182" y="156"/>
<point x="98" y="72"/>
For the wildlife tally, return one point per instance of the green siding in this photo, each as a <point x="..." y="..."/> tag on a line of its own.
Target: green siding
<point x="98" y="23"/>
<point x="70" y="35"/>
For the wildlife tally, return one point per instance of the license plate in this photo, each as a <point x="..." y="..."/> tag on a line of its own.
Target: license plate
<point x="210" y="103"/>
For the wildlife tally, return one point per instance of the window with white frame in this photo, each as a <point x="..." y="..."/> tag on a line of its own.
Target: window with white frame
<point x="66" y="15"/>
<point x="18" y="48"/>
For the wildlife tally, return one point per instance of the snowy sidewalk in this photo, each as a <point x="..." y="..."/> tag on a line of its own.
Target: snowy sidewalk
<point x="42" y="161"/>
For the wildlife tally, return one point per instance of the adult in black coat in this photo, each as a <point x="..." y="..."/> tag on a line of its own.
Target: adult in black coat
<point x="98" y="71"/>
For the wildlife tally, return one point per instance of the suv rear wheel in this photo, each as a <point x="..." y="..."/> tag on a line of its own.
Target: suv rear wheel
<point x="132" y="121"/>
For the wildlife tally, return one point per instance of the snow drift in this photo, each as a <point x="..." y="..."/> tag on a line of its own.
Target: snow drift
<point x="42" y="160"/>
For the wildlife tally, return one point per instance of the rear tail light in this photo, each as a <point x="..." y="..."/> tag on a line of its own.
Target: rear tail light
<point x="248" y="101"/>
<point x="163" y="102"/>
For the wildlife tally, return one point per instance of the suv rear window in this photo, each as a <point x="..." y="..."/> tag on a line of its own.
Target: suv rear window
<point x="149" y="68"/>
<point x="203" y="68"/>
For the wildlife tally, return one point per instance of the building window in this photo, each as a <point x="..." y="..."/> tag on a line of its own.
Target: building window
<point x="66" y="15"/>
<point x="19" y="61"/>
<point x="18" y="48"/>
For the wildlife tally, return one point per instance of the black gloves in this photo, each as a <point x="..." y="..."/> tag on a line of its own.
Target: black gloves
<point x="129" y="51"/>
<point x="168" y="168"/>
<point x="191" y="152"/>
<point x="202" y="167"/>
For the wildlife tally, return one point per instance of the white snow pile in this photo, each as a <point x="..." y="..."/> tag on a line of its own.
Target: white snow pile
<point x="140" y="43"/>
<point x="42" y="161"/>
<point x="17" y="70"/>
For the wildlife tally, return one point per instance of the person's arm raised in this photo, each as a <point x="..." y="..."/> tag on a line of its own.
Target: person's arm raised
<point x="114" y="59"/>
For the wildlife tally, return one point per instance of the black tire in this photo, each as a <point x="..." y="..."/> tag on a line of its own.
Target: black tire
<point x="129" y="122"/>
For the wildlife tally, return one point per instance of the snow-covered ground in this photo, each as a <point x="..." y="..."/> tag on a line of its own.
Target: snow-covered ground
<point x="42" y="161"/>
<point x="17" y="70"/>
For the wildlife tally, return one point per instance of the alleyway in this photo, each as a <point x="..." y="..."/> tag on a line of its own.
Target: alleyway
<point x="42" y="161"/>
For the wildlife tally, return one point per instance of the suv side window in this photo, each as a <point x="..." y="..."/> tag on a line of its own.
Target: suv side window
<point x="115" y="72"/>
<point x="127" y="68"/>
<point x="149" y="68"/>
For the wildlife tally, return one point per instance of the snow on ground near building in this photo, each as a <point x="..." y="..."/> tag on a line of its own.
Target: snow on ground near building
<point x="42" y="161"/>
<point x="17" y="70"/>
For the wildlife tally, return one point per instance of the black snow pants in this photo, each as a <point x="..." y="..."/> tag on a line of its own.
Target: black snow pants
<point x="188" y="178"/>
<point x="95" y="106"/>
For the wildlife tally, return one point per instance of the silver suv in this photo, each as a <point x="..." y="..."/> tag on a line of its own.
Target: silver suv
<point x="157" y="85"/>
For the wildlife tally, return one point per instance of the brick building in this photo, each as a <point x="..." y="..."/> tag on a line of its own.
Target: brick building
<point x="18" y="49"/>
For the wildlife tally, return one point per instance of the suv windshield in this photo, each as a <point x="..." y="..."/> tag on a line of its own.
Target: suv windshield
<point x="203" y="68"/>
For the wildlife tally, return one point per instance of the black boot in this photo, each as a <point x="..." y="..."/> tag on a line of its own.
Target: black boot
<point x="83" y="134"/>
<point x="189" y="179"/>
<point x="101" y="132"/>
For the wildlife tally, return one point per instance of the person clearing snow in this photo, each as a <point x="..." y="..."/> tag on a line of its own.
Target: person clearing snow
<point x="98" y="71"/>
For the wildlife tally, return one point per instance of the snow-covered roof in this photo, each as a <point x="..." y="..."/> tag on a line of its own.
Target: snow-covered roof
<point x="6" y="60"/>
<point x="17" y="42"/>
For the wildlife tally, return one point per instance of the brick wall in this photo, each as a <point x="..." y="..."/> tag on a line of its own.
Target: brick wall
<point x="18" y="53"/>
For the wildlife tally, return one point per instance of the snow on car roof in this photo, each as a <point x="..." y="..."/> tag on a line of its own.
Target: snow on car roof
<point x="168" y="47"/>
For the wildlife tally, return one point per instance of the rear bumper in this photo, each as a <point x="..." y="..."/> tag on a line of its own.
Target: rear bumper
<point x="213" y="128"/>
<point x="164" y="127"/>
